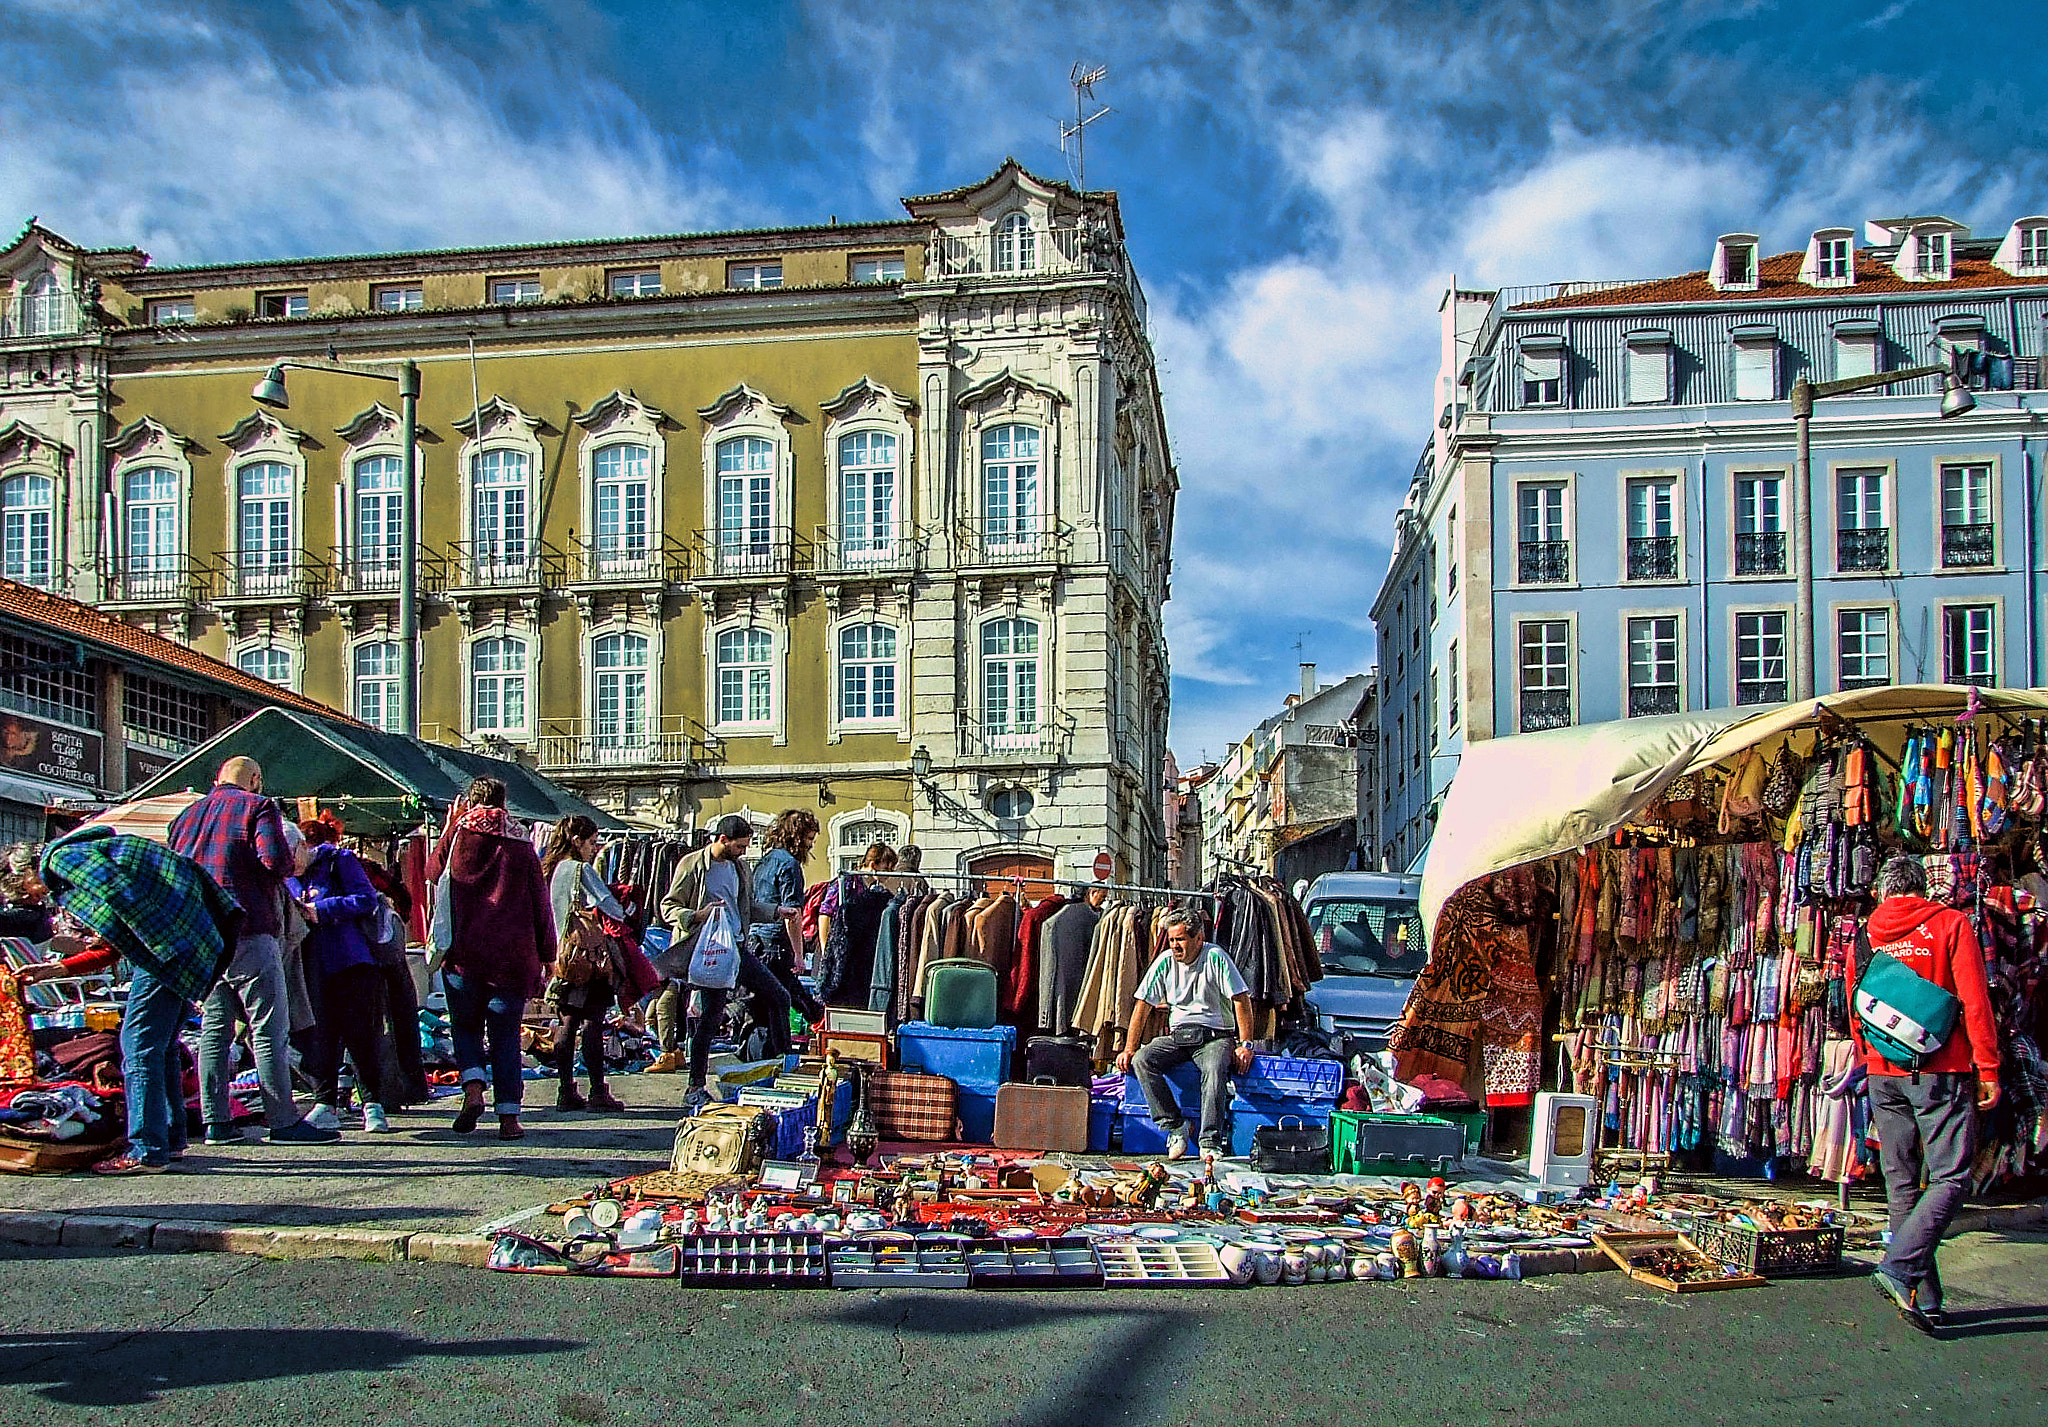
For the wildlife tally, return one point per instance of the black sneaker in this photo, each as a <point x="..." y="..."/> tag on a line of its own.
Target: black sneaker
<point x="1901" y="1298"/>
<point x="224" y="1135"/>
<point x="304" y="1134"/>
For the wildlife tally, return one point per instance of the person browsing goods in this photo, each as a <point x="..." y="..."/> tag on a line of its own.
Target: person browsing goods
<point x="1208" y="1020"/>
<point x="715" y="875"/>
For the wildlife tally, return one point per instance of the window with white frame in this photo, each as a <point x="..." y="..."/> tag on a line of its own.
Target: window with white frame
<point x="150" y="501"/>
<point x="1653" y="665"/>
<point x="497" y="685"/>
<point x="622" y="474"/>
<point x="1451" y="554"/>
<point x="1649" y="369"/>
<point x="1009" y="677"/>
<point x="745" y="676"/>
<point x="1863" y="537"/>
<point x="1010" y="485"/>
<point x="1016" y="244"/>
<point x="867" y="673"/>
<point x="854" y="837"/>
<point x="1760" y="523"/>
<point x="1760" y="671"/>
<point x="48" y="682"/>
<point x="398" y="297"/>
<point x="1543" y="554"/>
<point x="282" y="304"/>
<point x="1863" y="646"/>
<point x="1452" y="688"/>
<point x="867" y="495"/>
<point x="1832" y="259"/>
<point x="42" y="306"/>
<point x="26" y="529"/>
<point x="1652" y="528"/>
<point x="1966" y="523"/>
<point x="265" y="490"/>
<point x="376" y="684"/>
<point x="618" y="694"/>
<point x="380" y="516"/>
<point x="753" y="277"/>
<point x="499" y="487"/>
<point x="171" y="311"/>
<point x="1546" y="673"/>
<point x="1969" y="650"/>
<point x="635" y="282"/>
<point x="510" y="291"/>
<point x="746" y="499"/>
<point x="880" y="269"/>
<point x="267" y="662"/>
<point x="1930" y="257"/>
<point x="1756" y="368"/>
<point x="1542" y="374"/>
<point x="2034" y="248"/>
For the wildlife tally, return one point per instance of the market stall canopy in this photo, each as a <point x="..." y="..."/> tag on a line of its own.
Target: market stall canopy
<point x="1534" y="795"/>
<point x="379" y="783"/>
<point x="145" y="817"/>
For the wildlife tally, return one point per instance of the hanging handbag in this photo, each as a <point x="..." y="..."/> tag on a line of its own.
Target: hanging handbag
<point x="1781" y="793"/>
<point x="386" y="934"/>
<point x="1291" y="1147"/>
<point x="586" y="949"/>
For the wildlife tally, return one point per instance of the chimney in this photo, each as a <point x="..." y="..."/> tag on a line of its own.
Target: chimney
<point x="1308" y="681"/>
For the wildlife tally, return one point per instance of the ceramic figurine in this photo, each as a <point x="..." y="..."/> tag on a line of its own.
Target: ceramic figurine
<point x="1407" y="1251"/>
<point x="1461" y="1209"/>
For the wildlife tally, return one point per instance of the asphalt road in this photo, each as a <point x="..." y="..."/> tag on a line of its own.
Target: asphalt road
<point x="199" y="1339"/>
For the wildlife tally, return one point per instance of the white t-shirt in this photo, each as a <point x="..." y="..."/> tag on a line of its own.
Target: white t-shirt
<point x="1198" y="995"/>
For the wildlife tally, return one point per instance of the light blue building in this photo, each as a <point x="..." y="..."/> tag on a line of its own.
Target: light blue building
<point x="1606" y="521"/>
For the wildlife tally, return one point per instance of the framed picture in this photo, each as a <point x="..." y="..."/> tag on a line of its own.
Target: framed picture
<point x="787" y="1174"/>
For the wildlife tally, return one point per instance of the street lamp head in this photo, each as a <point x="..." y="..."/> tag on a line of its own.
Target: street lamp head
<point x="270" y="391"/>
<point x="1955" y="399"/>
<point x="921" y="763"/>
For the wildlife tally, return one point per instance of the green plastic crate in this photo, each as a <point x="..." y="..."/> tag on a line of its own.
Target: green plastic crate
<point x="1426" y="1132"/>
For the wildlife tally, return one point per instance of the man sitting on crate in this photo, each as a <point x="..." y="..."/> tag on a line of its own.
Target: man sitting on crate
<point x="1208" y="1020"/>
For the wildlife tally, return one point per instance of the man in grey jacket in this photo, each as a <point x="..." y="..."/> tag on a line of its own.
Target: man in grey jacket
<point x="717" y="873"/>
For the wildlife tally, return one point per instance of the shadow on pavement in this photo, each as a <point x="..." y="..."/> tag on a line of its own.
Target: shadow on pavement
<point x="1994" y="1322"/>
<point x="110" y="1369"/>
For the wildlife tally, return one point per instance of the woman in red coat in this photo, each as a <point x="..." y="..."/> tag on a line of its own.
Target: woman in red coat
<point x="504" y="937"/>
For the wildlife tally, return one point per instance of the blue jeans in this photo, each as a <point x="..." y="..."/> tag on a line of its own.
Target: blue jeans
<point x="151" y="1070"/>
<point x="476" y="1012"/>
<point x="1213" y="1058"/>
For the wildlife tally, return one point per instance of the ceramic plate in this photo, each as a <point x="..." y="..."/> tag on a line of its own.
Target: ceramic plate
<point x="1158" y="1231"/>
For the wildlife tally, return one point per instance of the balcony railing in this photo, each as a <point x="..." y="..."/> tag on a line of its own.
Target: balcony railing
<point x="1652" y="699"/>
<point x="1760" y="691"/>
<point x="269" y="575"/>
<point x="749" y="552"/>
<point x="504" y="564"/>
<point x="626" y="560"/>
<point x="375" y="570"/>
<point x="1034" y="252"/>
<point x="1869" y="549"/>
<point x="1037" y="740"/>
<point x="1544" y="562"/>
<point x="1546" y="708"/>
<point x="57" y="315"/>
<point x="1760" y="552"/>
<point x="567" y="745"/>
<point x="838" y="552"/>
<point x="1966" y="547"/>
<point x="1653" y="557"/>
<point x="1012" y="542"/>
<point x="157" y="579"/>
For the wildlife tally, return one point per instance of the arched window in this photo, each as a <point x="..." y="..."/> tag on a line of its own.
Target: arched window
<point x="25" y="529"/>
<point x="1016" y="244"/>
<point x="867" y="673"/>
<point x="42" y="306"/>
<point x="265" y="493"/>
<point x="380" y="517"/>
<point x="621" y="473"/>
<point x="746" y="503"/>
<point x="746" y="676"/>
<point x="1010" y="486"/>
<point x="151" y="497"/>
<point x="498" y="491"/>
<point x="1009" y="677"/>
<point x="619" y="695"/>
<point x="498" y="685"/>
<point x="867" y="495"/>
<point x="376" y="679"/>
<point x="268" y="663"/>
<point x="855" y="836"/>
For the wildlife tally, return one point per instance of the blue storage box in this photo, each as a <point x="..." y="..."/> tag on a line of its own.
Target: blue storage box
<point x="1247" y="1113"/>
<point x="1280" y="1077"/>
<point x="977" y="1109"/>
<point x="1186" y="1082"/>
<point x="1101" y="1120"/>
<point x="1142" y="1137"/>
<point x="974" y="1060"/>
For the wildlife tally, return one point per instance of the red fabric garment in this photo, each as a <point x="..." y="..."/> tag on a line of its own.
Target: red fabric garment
<point x="504" y="921"/>
<point x="1938" y="944"/>
<point x="412" y="868"/>
<point x="97" y="957"/>
<point x="1020" y="983"/>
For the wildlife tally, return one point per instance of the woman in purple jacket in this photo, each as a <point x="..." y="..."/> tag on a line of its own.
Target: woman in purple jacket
<point x="338" y="900"/>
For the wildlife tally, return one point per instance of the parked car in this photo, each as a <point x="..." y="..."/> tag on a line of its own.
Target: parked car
<point x="1368" y="927"/>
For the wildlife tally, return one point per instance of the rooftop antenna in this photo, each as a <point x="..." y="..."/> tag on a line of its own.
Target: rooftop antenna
<point x="1084" y="80"/>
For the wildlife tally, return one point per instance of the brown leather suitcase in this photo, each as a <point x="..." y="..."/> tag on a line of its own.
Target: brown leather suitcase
<point x="1042" y="1116"/>
<point x="911" y="1105"/>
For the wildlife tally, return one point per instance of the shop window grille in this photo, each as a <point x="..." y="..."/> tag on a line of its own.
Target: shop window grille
<point x="36" y="679"/>
<point x="162" y="715"/>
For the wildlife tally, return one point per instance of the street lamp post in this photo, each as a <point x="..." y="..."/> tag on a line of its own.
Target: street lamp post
<point x="271" y="392"/>
<point x="1955" y="400"/>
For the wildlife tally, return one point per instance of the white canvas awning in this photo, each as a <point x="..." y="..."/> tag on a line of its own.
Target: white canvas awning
<point x="1534" y="795"/>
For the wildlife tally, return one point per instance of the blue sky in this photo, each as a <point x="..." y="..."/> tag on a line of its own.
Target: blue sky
<point x="1299" y="181"/>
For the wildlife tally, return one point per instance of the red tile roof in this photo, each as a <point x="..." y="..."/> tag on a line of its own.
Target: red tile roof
<point x="1778" y="281"/>
<point x="68" y="617"/>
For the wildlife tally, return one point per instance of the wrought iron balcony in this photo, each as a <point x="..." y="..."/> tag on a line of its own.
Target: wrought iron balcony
<point x="573" y="744"/>
<point x="1652" y="699"/>
<point x="841" y="552"/>
<point x="1035" y="541"/>
<point x="1865" y="681"/>
<point x="156" y="579"/>
<point x="1544" y="562"/>
<point x="374" y="570"/>
<point x="1760" y="552"/>
<point x="1868" y="549"/>
<point x="1966" y="547"/>
<point x="1039" y="739"/>
<point x="1760" y="691"/>
<point x="1546" y="708"/>
<point x="505" y="565"/>
<point x="255" y="575"/>
<point x="625" y="560"/>
<point x="1653" y="557"/>
<point x="746" y="552"/>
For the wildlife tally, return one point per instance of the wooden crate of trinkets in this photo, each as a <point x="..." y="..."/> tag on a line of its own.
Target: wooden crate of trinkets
<point x="1773" y="1253"/>
<point x="1670" y="1261"/>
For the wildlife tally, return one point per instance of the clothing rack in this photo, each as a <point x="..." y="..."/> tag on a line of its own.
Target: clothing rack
<point x="1018" y="880"/>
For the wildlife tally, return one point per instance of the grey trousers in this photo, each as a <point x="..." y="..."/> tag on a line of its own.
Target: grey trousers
<point x="253" y="990"/>
<point x="1161" y="1054"/>
<point x="1928" y="1126"/>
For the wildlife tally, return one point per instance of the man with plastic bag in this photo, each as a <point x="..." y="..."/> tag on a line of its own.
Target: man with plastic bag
<point x="709" y="903"/>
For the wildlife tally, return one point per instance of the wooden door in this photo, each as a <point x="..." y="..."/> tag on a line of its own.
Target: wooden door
<point x="1034" y="871"/>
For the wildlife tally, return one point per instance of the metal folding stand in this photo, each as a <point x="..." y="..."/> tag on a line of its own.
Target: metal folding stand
<point x="1621" y="1059"/>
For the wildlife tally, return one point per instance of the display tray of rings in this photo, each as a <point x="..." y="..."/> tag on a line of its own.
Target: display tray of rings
<point x="754" y="1260"/>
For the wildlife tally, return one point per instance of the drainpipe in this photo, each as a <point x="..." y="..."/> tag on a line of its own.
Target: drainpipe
<point x="1705" y="638"/>
<point x="2033" y="516"/>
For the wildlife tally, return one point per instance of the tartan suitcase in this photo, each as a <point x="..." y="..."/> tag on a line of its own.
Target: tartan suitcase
<point x="1064" y="1060"/>
<point x="908" y="1105"/>
<point x="1042" y="1116"/>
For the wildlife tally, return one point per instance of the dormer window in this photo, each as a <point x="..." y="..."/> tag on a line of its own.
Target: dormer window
<point x="1930" y="257"/>
<point x="2034" y="248"/>
<point x="1735" y="263"/>
<point x="2025" y="249"/>
<point x="43" y="307"/>
<point x="1542" y="371"/>
<point x="1830" y="259"/>
<point x="1016" y="245"/>
<point x="1649" y="367"/>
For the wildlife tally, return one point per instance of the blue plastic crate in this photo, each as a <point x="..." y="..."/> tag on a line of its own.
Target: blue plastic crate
<point x="1102" y="1114"/>
<point x="977" y="1110"/>
<point x="974" y="1060"/>
<point x="1248" y="1113"/>
<point x="1142" y="1137"/>
<point x="1284" y="1076"/>
<point x="1184" y="1080"/>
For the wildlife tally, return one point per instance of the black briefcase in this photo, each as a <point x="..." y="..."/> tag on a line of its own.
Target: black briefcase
<point x="1291" y="1147"/>
<point x="1064" y="1060"/>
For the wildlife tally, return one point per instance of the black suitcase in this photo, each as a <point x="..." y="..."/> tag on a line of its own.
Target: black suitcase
<point x="1064" y="1060"/>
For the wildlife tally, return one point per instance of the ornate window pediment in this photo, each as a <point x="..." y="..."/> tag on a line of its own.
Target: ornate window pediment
<point x="260" y="429"/>
<point x="22" y="442"/>
<point x="499" y="417"/>
<point x="743" y="406"/>
<point x="1009" y="394"/>
<point x="377" y="423"/>
<point x="148" y="438"/>
<point x="866" y="399"/>
<point x="623" y="411"/>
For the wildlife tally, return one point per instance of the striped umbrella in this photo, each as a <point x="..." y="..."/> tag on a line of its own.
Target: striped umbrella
<point x="145" y="817"/>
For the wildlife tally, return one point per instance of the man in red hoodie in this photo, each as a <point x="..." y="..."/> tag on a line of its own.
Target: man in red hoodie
<point x="1926" y="1118"/>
